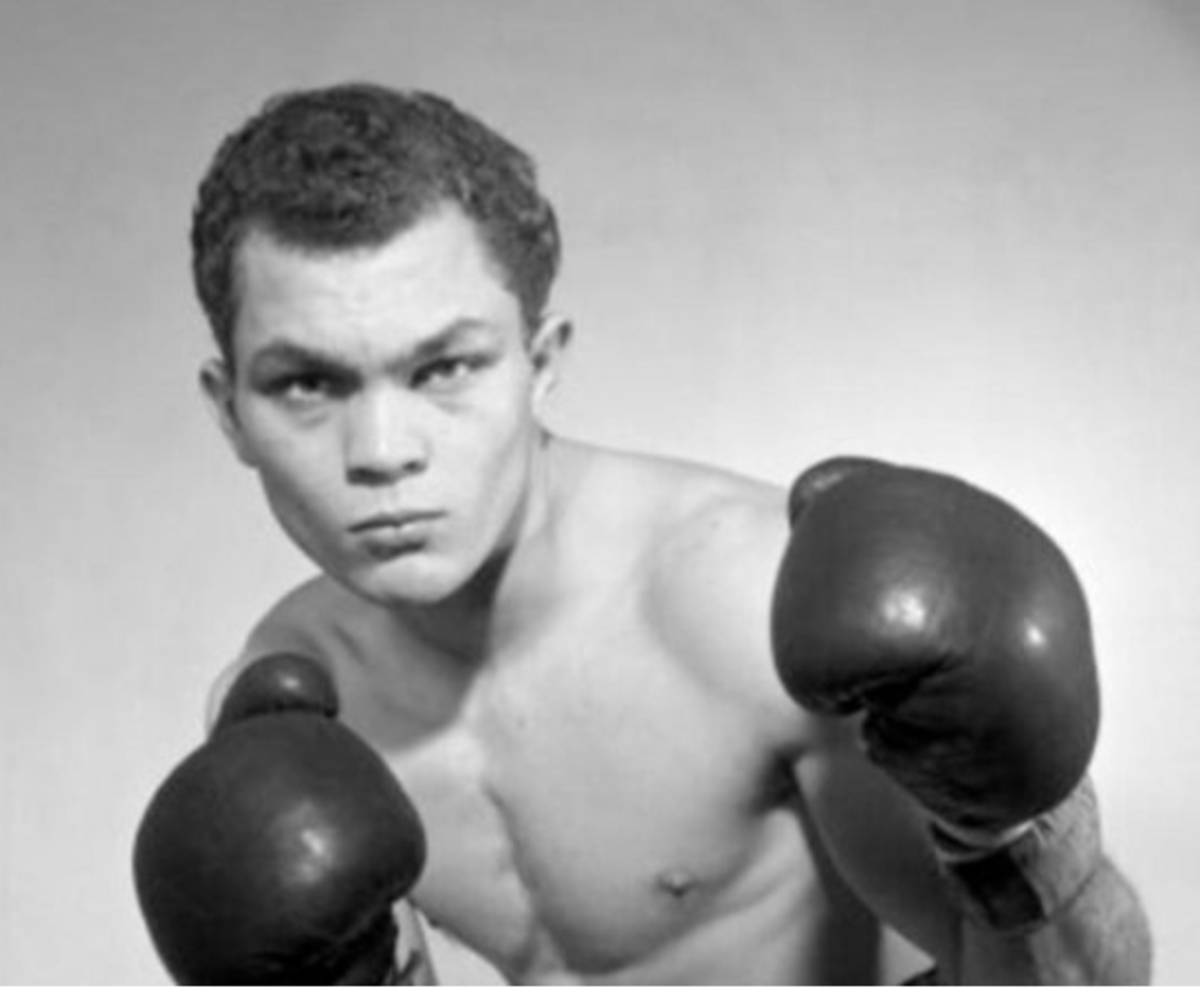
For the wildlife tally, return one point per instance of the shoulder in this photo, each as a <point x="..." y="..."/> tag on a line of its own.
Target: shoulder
<point x="674" y="514"/>
<point x="713" y="543"/>
<point x="716" y="533"/>
<point x="314" y="619"/>
<point x="689" y="508"/>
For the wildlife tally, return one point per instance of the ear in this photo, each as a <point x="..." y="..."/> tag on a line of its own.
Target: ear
<point x="547" y="347"/>
<point x="216" y="382"/>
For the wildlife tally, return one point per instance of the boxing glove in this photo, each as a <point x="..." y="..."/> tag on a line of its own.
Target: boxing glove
<point x="278" y="683"/>
<point x="953" y="623"/>
<point x="274" y="852"/>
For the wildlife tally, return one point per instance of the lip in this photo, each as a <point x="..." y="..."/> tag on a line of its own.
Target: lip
<point x="393" y="521"/>
<point x="389" y="535"/>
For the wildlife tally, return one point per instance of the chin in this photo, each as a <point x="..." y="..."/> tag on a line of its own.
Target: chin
<point x="413" y="579"/>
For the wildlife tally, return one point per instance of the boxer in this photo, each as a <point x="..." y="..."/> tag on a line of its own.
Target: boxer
<point x="657" y="723"/>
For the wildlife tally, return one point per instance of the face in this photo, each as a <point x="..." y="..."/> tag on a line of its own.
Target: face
<point x="386" y="399"/>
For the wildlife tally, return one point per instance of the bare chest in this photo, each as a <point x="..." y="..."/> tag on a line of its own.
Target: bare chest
<point x="591" y="804"/>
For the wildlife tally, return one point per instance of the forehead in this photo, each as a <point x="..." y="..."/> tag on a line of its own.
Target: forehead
<point x="426" y="277"/>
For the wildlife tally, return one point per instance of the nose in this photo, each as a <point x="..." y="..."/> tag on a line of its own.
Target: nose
<point x="384" y="439"/>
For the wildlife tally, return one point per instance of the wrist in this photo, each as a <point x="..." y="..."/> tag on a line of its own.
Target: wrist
<point x="1017" y="885"/>
<point x="953" y="843"/>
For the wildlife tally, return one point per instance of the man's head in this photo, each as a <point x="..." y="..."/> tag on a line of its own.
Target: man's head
<point x="351" y="166"/>
<point x="376" y="266"/>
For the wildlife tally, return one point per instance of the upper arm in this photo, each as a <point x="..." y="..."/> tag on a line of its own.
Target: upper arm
<point x="287" y="627"/>
<point x="877" y="838"/>
<point x="413" y="960"/>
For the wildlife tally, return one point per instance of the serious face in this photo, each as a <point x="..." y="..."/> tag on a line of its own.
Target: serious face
<point x="385" y="396"/>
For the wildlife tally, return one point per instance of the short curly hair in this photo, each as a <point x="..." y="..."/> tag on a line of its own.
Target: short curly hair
<point x="352" y="165"/>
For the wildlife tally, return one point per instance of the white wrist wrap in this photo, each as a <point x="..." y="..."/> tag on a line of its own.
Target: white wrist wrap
<point x="1021" y="884"/>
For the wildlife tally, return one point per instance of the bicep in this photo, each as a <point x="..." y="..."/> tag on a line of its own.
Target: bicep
<point x="877" y="840"/>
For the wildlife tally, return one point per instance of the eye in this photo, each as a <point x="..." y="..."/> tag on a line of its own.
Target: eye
<point x="302" y="388"/>
<point x="448" y="372"/>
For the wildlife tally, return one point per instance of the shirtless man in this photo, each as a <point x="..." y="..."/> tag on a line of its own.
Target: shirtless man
<point x="634" y="747"/>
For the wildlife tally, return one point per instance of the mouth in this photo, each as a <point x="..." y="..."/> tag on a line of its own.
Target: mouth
<point x="394" y="533"/>
<point x="393" y="521"/>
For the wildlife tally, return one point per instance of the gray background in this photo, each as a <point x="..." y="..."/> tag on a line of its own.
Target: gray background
<point x="962" y="234"/>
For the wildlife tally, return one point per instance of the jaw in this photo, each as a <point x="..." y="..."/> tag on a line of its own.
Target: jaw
<point x="507" y="588"/>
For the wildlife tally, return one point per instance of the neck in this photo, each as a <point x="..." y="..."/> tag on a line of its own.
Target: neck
<point x="507" y="595"/>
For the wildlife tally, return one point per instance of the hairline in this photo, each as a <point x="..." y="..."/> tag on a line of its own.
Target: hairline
<point x="259" y="226"/>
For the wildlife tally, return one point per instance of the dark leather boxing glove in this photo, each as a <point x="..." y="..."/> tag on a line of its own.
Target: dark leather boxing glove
<point x="278" y="683"/>
<point x="955" y="623"/>
<point x="274" y="852"/>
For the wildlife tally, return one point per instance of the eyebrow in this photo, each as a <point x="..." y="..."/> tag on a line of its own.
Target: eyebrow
<point x="285" y="351"/>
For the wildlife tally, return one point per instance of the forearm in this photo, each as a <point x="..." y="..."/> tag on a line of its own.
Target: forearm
<point x="1049" y="909"/>
<point x="1100" y="937"/>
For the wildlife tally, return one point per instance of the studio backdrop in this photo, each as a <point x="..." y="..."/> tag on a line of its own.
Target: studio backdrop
<point x="956" y="233"/>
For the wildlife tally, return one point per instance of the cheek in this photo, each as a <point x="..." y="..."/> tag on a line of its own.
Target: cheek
<point x="295" y="470"/>
<point x="492" y="464"/>
<point x="493" y="423"/>
<point x="503" y="443"/>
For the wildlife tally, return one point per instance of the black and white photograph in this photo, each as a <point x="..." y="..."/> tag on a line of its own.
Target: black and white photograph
<point x="600" y="492"/>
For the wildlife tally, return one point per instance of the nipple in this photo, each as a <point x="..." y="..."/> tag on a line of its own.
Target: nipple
<point x="675" y="882"/>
